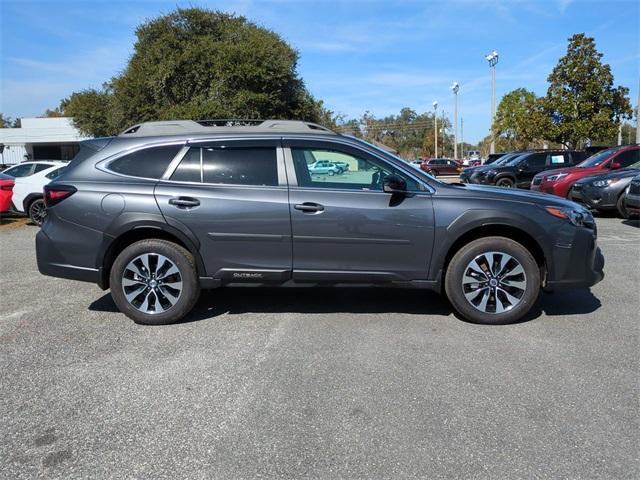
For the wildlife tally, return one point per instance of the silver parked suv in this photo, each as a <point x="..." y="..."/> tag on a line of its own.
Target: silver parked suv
<point x="166" y="209"/>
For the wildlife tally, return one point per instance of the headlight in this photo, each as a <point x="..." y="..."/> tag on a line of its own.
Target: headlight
<point x="580" y="218"/>
<point x="556" y="177"/>
<point x="605" y="183"/>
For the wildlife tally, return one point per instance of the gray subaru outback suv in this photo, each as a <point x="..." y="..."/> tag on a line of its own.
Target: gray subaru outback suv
<point x="166" y="209"/>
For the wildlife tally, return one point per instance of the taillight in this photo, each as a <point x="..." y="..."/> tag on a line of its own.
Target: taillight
<point x="7" y="187"/>
<point x="54" y="194"/>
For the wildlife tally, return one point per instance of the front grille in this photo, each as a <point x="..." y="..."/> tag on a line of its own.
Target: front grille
<point x="536" y="181"/>
<point x="577" y="187"/>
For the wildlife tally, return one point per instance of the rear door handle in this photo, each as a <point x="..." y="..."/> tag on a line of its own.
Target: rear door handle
<point x="309" y="207"/>
<point x="184" y="202"/>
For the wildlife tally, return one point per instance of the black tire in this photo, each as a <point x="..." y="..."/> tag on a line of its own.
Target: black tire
<point x="180" y="257"/>
<point x="37" y="211"/>
<point x="459" y="263"/>
<point x="434" y="172"/>
<point x="621" y="209"/>
<point x="331" y="173"/>
<point x="505" y="182"/>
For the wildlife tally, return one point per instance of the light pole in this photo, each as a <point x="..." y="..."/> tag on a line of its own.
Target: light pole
<point x="638" y="116"/>
<point x="435" y="126"/>
<point x="462" y="137"/>
<point x="492" y="58"/>
<point x="454" y="88"/>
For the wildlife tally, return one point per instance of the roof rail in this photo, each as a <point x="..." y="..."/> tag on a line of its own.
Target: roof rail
<point x="179" y="127"/>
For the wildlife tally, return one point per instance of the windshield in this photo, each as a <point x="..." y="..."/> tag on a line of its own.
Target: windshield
<point x="597" y="158"/>
<point x="513" y="160"/>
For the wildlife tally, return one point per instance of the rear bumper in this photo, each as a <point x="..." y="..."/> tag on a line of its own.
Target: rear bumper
<point x="53" y="263"/>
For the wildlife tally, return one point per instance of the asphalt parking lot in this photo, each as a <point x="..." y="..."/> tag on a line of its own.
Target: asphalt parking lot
<point x="318" y="383"/>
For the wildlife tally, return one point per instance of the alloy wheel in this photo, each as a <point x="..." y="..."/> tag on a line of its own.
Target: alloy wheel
<point x="494" y="282"/>
<point x="38" y="212"/>
<point x="152" y="283"/>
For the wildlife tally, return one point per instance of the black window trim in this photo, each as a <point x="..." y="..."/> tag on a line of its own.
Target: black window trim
<point x="280" y="169"/>
<point x="103" y="165"/>
<point x="297" y="142"/>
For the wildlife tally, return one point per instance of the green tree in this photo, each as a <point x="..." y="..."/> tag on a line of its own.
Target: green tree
<point x="199" y="64"/>
<point x="8" y="122"/>
<point x="92" y="112"/>
<point x="517" y="117"/>
<point x="581" y="102"/>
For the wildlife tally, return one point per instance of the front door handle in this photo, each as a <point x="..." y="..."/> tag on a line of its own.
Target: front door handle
<point x="184" y="202"/>
<point x="309" y="207"/>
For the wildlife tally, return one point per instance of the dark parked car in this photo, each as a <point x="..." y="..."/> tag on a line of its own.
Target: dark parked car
<point x="467" y="174"/>
<point x="441" y="166"/>
<point x="519" y="172"/>
<point x="166" y="209"/>
<point x="607" y="191"/>
<point x="632" y="197"/>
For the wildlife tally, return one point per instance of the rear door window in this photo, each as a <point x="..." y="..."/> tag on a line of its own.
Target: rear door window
<point x="149" y="162"/>
<point x="233" y="166"/>
<point x="55" y="173"/>
<point x="536" y="160"/>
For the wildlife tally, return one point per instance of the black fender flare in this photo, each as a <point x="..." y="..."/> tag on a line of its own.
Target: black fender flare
<point x="474" y="219"/>
<point x="130" y="222"/>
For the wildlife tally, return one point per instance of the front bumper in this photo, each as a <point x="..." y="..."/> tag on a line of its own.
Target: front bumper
<point x="575" y="262"/>
<point x="632" y="203"/>
<point x="598" y="198"/>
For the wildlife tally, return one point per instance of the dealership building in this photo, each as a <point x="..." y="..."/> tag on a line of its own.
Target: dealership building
<point x="39" y="139"/>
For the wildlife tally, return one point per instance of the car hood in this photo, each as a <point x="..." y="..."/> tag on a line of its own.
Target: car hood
<point x="499" y="193"/>
<point x="569" y="170"/>
<point x="622" y="173"/>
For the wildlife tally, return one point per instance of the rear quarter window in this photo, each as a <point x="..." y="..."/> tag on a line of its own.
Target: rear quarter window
<point x="149" y="162"/>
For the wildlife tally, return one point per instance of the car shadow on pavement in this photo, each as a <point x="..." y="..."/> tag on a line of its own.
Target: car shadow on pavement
<point x="373" y="300"/>
<point x="632" y="222"/>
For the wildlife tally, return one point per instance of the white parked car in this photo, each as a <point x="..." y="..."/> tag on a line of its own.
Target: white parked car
<point x="31" y="177"/>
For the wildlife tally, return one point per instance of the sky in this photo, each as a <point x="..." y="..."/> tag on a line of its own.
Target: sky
<point x="355" y="55"/>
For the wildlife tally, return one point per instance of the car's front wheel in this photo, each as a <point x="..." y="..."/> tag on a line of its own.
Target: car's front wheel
<point x="154" y="282"/>
<point x="492" y="280"/>
<point x="620" y="207"/>
<point x="505" y="182"/>
<point x="37" y="211"/>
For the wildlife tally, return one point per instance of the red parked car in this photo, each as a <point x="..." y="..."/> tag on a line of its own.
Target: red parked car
<point x="441" y="166"/>
<point x="6" y="192"/>
<point x="559" y="181"/>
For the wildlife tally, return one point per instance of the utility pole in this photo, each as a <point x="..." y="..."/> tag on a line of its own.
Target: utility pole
<point x="620" y="132"/>
<point x="492" y="58"/>
<point x="638" y="116"/>
<point x="455" y="87"/>
<point x="444" y="130"/>
<point x="462" y="137"/>
<point x="435" y="126"/>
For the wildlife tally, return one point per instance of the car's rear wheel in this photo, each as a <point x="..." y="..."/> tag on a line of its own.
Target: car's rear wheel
<point x="37" y="211"/>
<point x="331" y="173"/>
<point x="505" y="182"/>
<point x="620" y="207"/>
<point x="433" y="172"/>
<point x="492" y="280"/>
<point x="154" y="282"/>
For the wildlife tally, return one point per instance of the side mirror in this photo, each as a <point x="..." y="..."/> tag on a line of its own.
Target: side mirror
<point x="615" y="165"/>
<point x="394" y="184"/>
